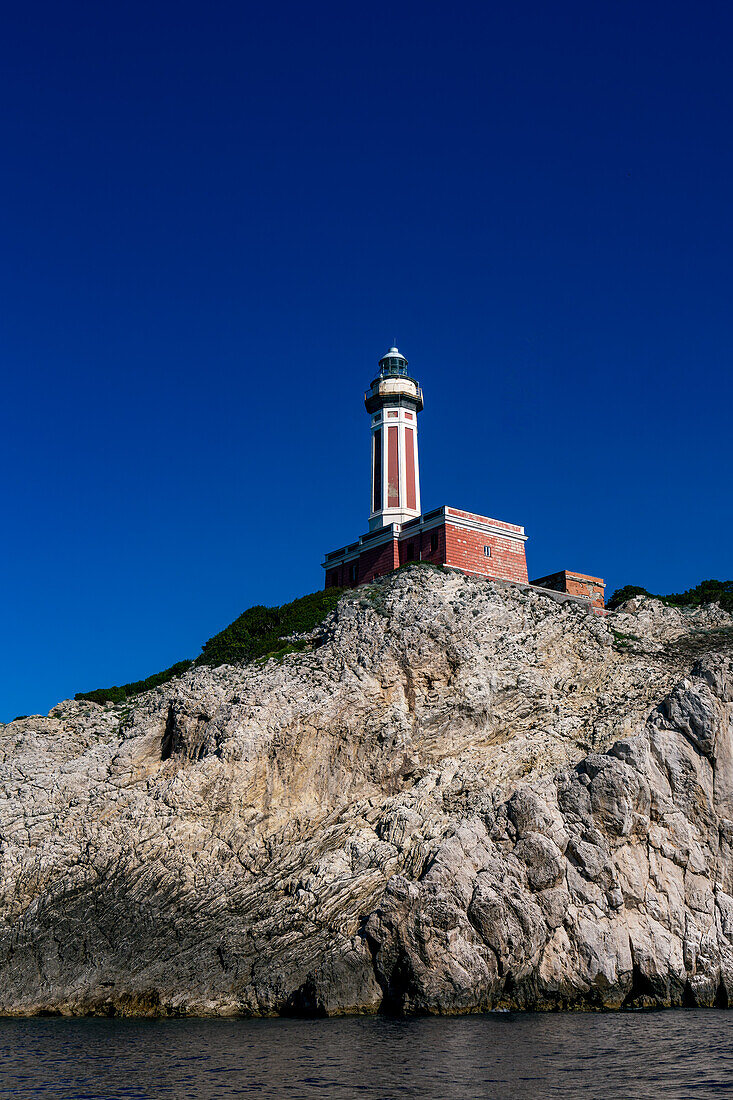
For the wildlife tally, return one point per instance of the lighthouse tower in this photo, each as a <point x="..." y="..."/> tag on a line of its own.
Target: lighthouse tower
<point x="393" y="401"/>
<point x="400" y="533"/>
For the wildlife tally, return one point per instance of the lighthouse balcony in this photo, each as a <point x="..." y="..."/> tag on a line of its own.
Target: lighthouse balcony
<point x="393" y="391"/>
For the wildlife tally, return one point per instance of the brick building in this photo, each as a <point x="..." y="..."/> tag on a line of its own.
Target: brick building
<point x="576" y="584"/>
<point x="399" y="532"/>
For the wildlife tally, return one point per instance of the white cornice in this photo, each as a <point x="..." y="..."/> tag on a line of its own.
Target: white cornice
<point x="486" y="528"/>
<point x="443" y="517"/>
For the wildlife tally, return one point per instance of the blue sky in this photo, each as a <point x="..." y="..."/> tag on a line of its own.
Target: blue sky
<point x="215" y="219"/>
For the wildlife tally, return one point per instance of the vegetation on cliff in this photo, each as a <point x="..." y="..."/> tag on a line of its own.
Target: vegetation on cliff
<point x="720" y="592"/>
<point x="120" y="692"/>
<point x="258" y="632"/>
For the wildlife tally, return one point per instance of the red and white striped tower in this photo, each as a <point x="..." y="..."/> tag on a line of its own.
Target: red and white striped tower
<point x="393" y="401"/>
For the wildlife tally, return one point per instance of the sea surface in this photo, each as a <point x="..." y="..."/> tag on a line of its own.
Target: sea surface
<point x="681" y="1054"/>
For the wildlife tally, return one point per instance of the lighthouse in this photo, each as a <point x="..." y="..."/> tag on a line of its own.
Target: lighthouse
<point x="393" y="401"/>
<point x="400" y="532"/>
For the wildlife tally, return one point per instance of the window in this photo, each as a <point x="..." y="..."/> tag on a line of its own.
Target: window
<point x="410" y="551"/>
<point x="354" y="572"/>
<point x="487" y="551"/>
<point x="433" y="542"/>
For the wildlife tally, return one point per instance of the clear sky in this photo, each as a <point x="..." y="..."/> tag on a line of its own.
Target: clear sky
<point x="216" y="217"/>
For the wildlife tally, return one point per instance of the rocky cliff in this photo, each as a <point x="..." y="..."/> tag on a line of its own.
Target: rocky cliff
<point x="460" y="796"/>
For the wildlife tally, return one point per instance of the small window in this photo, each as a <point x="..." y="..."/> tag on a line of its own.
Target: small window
<point x="354" y="572"/>
<point x="487" y="551"/>
<point x="433" y="542"/>
<point x="410" y="551"/>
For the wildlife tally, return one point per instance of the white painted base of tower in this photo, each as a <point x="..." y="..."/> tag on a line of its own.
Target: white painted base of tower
<point x="399" y="516"/>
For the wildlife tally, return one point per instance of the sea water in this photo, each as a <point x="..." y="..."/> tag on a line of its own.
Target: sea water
<point x="681" y="1054"/>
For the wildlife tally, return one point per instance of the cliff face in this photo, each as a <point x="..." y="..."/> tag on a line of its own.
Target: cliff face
<point x="463" y="796"/>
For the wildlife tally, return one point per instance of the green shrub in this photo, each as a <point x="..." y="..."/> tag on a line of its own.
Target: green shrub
<point x="625" y="593"/>
<point x="705" y="592"/>
<point x="126" y="691"/>
<point x="622" y="642"/>
<point x="258" y="631"/>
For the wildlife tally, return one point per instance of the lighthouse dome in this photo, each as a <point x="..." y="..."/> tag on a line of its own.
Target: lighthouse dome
<point x="392" y="363"/>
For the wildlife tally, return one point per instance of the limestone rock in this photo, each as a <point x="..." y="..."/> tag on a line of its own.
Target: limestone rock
<point x="462" y="796"/>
